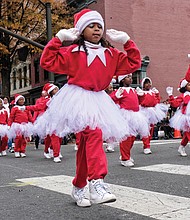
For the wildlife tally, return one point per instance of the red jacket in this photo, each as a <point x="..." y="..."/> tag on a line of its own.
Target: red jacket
<point x="3" y="116"/>
<point x="181" y="100"/>
<point x="97" y="76"/>
<point x="149" y="99"/>
<point x="19" y="116"/>
<point x="129" y="100"/>
<point x="40" y="106"/>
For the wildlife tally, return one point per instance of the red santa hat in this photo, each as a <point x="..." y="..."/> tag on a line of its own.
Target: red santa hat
<point x="185" y="80"/>
<point x="123" y="77"/>
<point x="17" y="97"/>
<point x="143" y="81"/>
<point x="48" y="87"/>
<point x="85" y="17"/>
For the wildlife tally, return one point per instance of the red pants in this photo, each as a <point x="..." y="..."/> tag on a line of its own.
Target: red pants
<point x="185" y="139"/>
<point x="3" y="145"/>
<point x="56" y="144"/>
<point x="146" y="140"/>
<point x="20" y="144"/>
<point x="47" y="143"/>
<point x="91" y="161"/>
<point x="78" y="136"/>
<point x="125" y="148"/>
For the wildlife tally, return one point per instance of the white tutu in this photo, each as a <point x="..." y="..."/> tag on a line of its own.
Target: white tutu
<point x="155" y="114"/>
<point x="73" y="109"/>
<point x="180" y="121"/>
<point x="3" y="130"/>
<point x="24" y="129"/>
<point x="138" y="123"/>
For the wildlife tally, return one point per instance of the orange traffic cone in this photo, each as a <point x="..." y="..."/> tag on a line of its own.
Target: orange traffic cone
<point x="177" y="134"/>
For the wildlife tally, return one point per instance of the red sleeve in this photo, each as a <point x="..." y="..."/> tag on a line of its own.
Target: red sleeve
<point x="39" y="106"/>
<point x="175" y="102"/>
<point x="157" y="96"/>
<point x="12" y="116"/>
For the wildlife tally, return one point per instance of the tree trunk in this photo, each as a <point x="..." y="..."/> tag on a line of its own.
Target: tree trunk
<point x="5" y="75"/>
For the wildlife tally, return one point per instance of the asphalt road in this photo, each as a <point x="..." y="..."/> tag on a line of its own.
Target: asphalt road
<point x="156" y="188"/>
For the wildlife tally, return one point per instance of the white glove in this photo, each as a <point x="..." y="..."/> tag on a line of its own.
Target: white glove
<point x="169" y="90"/>
<point x="8" y="127"/>
<point x="68" y="34"/>
<point x="155" y="90"/>
<point x="119" y="93"/>
<point x="139" y="91"/>
<point x="118" y="36"/>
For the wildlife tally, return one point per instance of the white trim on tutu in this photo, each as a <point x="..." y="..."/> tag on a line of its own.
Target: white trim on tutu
<point x="155" y="114"/>
<point x="24" y="129"/>
<point x="138" y="123"/>
<point x="3" y="130"/>
<point x="73" y="109"/>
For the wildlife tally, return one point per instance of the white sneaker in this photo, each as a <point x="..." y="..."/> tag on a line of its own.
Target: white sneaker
<point x="131" y="159"/>
<point x="57" y="159"/>
<point x="17" y="154"/>
<point x="109" y="148"/>
<point x="147" y="151"/>
<point x="79" y="195"/>
<point x="75" y="147"/>
<point x="22" y="154"/>
<point x="60" y="155"/>
<point x="181" y="150"/>
<point x="4" y="153"/>
<point x="0" y="154"/>
<point x="99" y="192"/>
<point x="47" y="156"/>
<point x="127" y="163"/>
<point x="50" y="152"/>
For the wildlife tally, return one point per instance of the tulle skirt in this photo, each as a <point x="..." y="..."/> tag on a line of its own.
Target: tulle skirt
<point x="180" y="121"/>
<point x="73" y="109"/>
<point x="3" y="130"/>
<point x="16" y="129"/>
<point x="138" y="123"/>
<point x="155" y="114"/>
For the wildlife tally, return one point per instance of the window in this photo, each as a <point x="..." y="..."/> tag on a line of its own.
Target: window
<point x="25" y="76"/>
<point x="20" y="78"/>
<point x="45" y="75"/>
<point x="37" y="70"/>
<point x="14" y="79"/>
<point x="30" y="73"/>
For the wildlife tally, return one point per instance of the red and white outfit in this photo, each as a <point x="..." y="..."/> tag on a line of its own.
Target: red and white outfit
<point x="3" y="130"/>
<point x="21" y="128"/>
<point x="82" y="105"/>
<point x="138" y="123"/>
<point x="152" y="109"/>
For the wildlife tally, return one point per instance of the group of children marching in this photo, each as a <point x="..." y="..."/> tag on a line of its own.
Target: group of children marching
<point x="84" y="108"/>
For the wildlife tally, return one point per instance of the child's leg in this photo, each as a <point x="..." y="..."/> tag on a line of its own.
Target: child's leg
<point x="18" y="140"/>
<point x="55" y="142"/>
<point x="23" y="145"/>
<point x="184" y="140"/>
<point x="125" y="148"/>
<point x="146" y="141"/>
<point x="4" y="142"/>
<point x="47" y="143"/>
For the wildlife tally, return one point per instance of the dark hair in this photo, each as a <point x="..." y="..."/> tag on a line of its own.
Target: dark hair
<point x="146" y="81"/>
<point x="80" y="42"/>
<point x="183" y="89"/>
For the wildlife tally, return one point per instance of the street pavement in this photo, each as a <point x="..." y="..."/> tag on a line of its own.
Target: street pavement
<point x="157" y="187"/>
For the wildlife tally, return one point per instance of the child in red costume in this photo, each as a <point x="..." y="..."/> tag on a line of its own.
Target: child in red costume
<point x="52" y="139"/>
<point x="180" y="121"/>
<point x="3" y="129"/>
<point x="149" y="100"/>
<point x="90" y="63"/>
<point x="21" y="127"/>
<point x="126" y="97"/>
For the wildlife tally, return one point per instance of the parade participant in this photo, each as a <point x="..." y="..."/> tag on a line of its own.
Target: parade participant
<point x="90" y="63"/>
<point x="52" y="142"/>
<point x="149" y="100"/>
<point x="180" y="120"/>
<point x="3" y="129"/>
<point x="20" y="122"/>
<point x="126" y="97"/>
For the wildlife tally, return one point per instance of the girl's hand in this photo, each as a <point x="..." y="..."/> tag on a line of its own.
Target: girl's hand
<point x="155" y="90"/>
<point x="119" y="93"/>
<point x="139" y="91"/>
<point x="68" y="34"/>
<point x="169" y="90"/>
<point x="118" y="36"/>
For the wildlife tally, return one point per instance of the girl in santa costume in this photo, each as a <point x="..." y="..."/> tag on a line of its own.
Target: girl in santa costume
<point x="127" y="99"/>
<point x="149" y="100"/>
<point x="181" y="119"/>
<point x="3" y="129"/>
<point x="90" y="63"/>
<point x="53" y="140"/>
<point x="20" y="122"/>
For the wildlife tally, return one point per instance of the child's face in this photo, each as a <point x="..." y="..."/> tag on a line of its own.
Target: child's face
<point x="20" y="101"/>
<point x="5" y="100"/>
<point x="1" y="104"/>
<point x="147" y="86"/>
<point x="54" y="91"/>
<point x="127" y="80"/>
<point x="93" y="33"/>
<point x="188" y="87"/>
<point x="109" y="89"/>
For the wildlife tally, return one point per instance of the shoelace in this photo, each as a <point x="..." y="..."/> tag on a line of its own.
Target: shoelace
<point x="99" y="185"/>
<point x="81" y="193"/>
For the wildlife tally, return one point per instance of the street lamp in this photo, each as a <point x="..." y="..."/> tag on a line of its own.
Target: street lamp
<point x="47" y="6"/>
